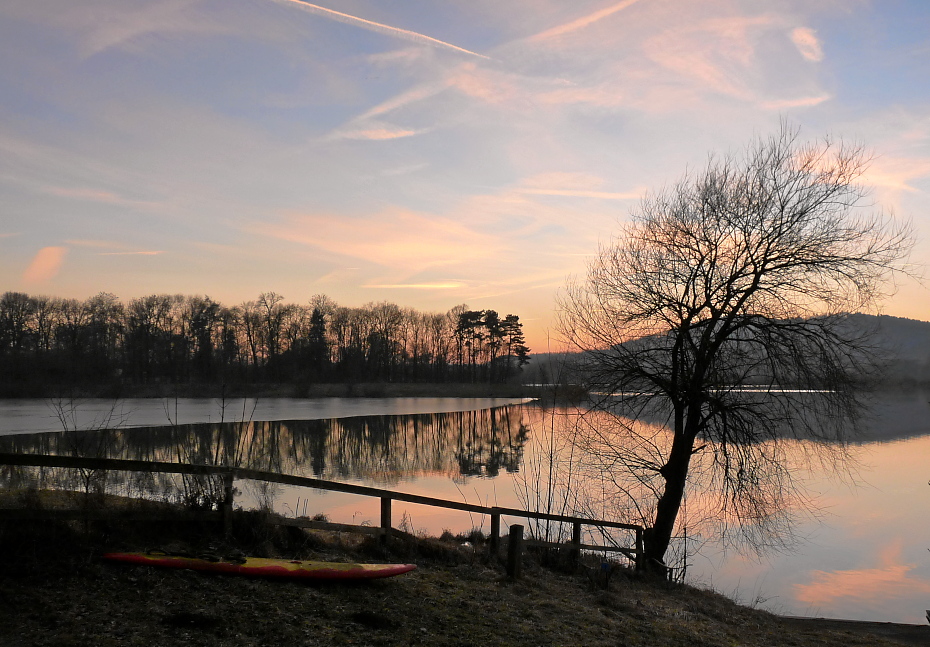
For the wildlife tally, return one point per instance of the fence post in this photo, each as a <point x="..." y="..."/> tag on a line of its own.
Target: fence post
<point x="385" y="518"/>
<point x="639" y="549"/>
<point x="495" y="538"/>
<point x="575" y="552"/>
<point x="227" y="505"/>
<point x="515" y="552"/>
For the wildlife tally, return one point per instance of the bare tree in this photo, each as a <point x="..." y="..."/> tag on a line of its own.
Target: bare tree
<point x="718" y="315"/>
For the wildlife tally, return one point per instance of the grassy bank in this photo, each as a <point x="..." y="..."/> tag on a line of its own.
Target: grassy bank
<point x="54" y="590"/>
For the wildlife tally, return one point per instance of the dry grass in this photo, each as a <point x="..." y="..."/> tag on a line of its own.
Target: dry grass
<point x="55" y="591"/>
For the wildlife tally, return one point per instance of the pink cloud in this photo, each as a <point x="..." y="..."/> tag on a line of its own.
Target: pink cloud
<point x="45" y="265"/>
<point x="414" y="95"/>
<point x="805" y="39"/>
<point x="896" y="173"/>
<point x="716" y="54"/>
<point x="485" y="85"/>
<point x="376" y="134"/>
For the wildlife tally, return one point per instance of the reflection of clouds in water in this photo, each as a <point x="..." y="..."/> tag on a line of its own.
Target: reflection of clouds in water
<point x="892" y="578"/>
<point x="864" y="557"/>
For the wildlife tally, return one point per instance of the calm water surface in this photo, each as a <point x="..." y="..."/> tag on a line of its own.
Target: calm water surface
<point x="865" y="558"/>
<point x="31" y="415"/>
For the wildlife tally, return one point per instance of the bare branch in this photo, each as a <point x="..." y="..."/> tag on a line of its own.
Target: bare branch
<point x="721" y="313"/>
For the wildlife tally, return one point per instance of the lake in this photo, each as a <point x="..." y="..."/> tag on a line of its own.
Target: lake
<point x="29" y="415"/>
<point x="864" y="558"/>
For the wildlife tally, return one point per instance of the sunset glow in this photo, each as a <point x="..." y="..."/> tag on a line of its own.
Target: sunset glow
<point x="230" y="149"/>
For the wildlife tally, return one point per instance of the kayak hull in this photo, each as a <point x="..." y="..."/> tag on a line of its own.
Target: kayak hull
<point x="264" y="567"/>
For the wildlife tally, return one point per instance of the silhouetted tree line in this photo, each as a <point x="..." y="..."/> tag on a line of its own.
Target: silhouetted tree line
<point x="166" y="338"/>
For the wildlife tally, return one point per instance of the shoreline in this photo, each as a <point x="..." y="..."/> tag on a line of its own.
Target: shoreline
<point x="284" y="390"/>
<point x="908" y="634"/>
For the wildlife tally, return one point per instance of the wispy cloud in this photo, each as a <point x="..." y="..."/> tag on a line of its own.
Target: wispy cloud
<point x="83" y="242"/>
<point x="375" y="131"/>
<point x="405" y="98"/>
<point x="718" y="54"/>
<point x="467" y="78"/>
<point x="123" y="26"/>
<point x="805" y="39"/>
<point x="377" y="27"/>
<point x="572" y="185"/>
<point x="801" y="102"/>
<point x="897" y="173"/>
<point x="98" y="195"/>
<point x="367" y="126"/>
<point x="144" y="253"/>
<point x="45" y="265"/>
<point x="124" y="250"/>
<point x="579" y="193"/>
<point x="437" y="285"/>
<point x="399" y="239"/>
<point x="584" y="21"/>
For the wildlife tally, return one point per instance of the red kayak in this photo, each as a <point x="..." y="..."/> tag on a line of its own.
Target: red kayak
<point x="262" y="567"/>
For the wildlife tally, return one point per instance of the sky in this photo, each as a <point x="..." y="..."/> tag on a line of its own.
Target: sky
<point x="424" y="152"/>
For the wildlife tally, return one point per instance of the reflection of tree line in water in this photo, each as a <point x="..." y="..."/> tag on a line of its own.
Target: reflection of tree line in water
<point x="375" y="449"/>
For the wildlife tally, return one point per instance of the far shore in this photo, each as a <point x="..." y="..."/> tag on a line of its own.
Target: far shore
<point x="285" y="390"/>
<point x="558" y="392"/>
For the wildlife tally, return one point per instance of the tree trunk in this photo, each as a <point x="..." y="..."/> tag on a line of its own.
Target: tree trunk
<point x="657" y="539"/>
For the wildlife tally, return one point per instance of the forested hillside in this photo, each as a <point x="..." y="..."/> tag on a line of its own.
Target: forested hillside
<point x="904" y="345"/>
<point x="177" y="339"/>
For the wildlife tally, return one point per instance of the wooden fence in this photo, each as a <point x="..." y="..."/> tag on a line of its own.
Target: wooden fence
<point x="230" y="474"/>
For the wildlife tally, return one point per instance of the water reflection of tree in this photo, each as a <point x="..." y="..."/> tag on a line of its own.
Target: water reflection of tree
<point x="483" y="450"/>
<point x="373" y="449"/>
<point x="593" y="474"/>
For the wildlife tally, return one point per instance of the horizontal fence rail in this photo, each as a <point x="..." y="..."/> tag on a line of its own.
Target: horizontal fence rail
<point x="230" y="474"/>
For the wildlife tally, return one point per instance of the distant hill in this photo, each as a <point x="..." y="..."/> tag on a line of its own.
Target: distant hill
<point x="905" y="344"/>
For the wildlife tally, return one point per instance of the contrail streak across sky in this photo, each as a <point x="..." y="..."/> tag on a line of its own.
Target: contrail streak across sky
<point x="377" y="26"/>
<point x="584" y="21"/>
